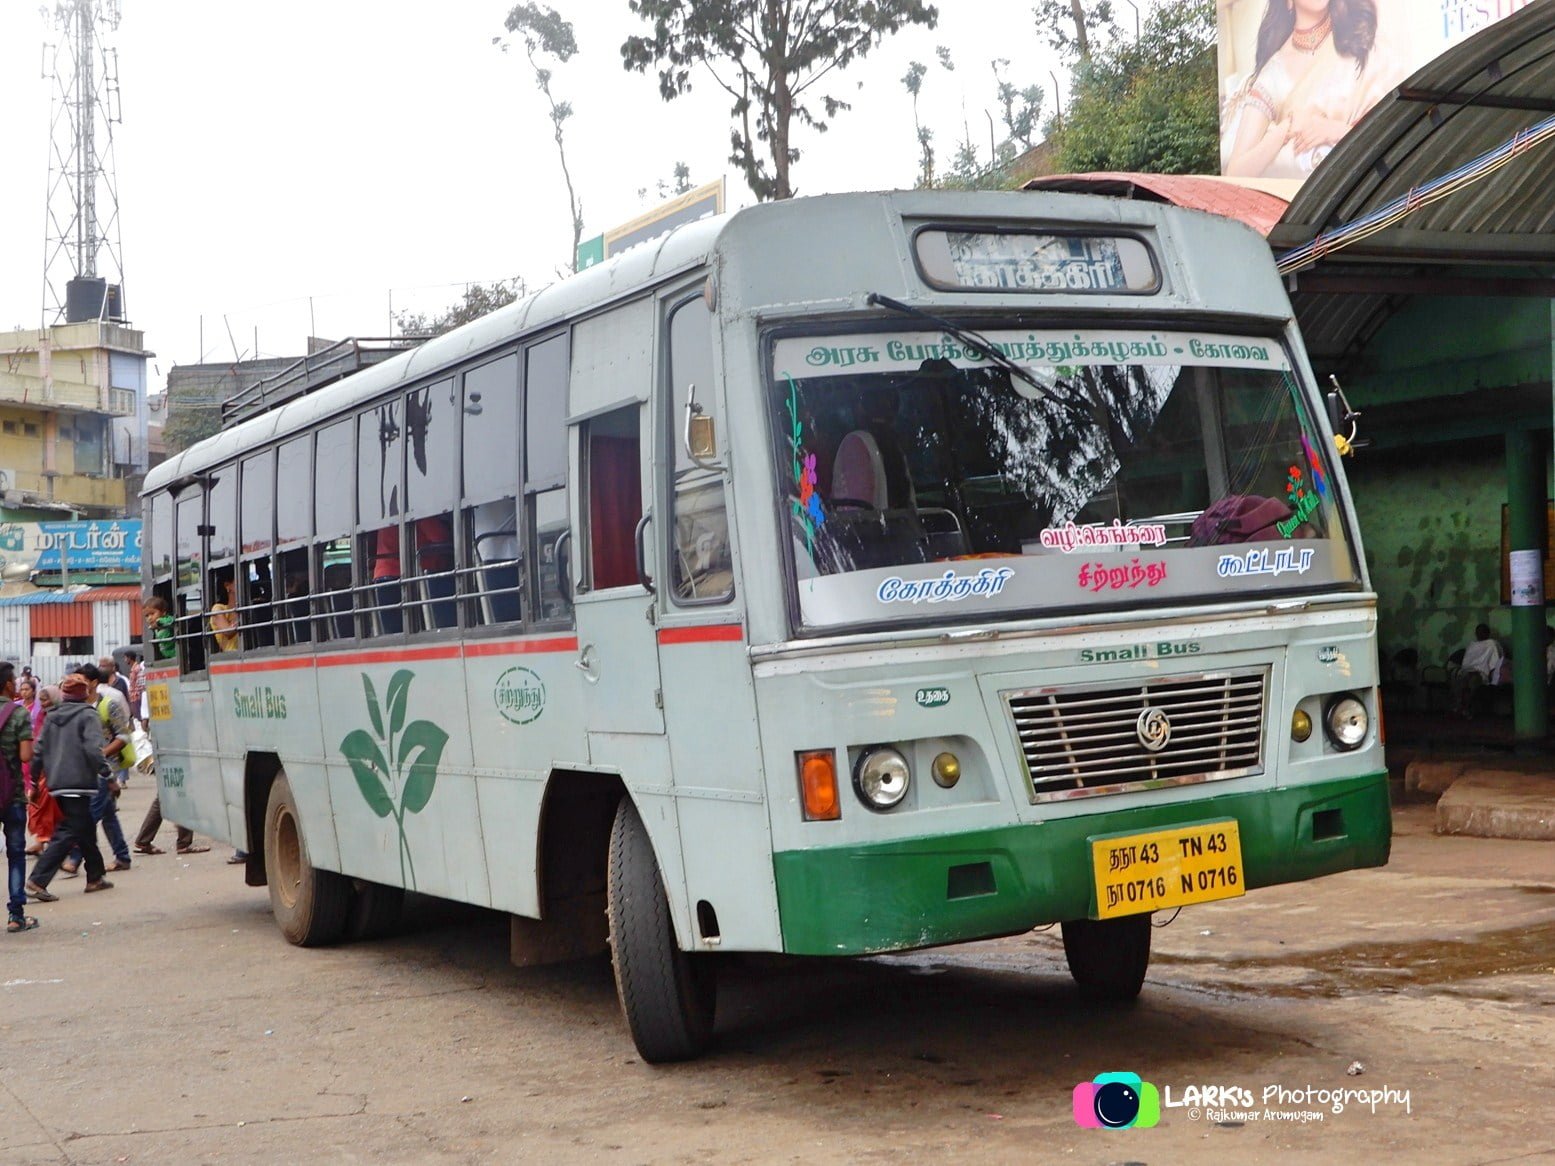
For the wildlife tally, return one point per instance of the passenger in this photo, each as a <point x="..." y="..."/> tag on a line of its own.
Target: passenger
<point x="387" y="596"/>
<point x="159" y="628"/>
<point x="224" y="616"/>
<point x="70" y="756"/>
<point x="15" y="757"/>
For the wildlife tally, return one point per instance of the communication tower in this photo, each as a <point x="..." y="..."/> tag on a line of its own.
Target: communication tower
<point x="83" y="267"/>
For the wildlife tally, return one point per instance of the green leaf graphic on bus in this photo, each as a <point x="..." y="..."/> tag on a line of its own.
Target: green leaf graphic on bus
<point x="407" y="787"/>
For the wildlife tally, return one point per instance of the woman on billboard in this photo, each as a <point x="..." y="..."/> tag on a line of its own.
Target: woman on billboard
<point x="1317" y="70"/>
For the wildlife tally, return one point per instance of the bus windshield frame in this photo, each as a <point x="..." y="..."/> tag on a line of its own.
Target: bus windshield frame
<point x="1124" y="519"/>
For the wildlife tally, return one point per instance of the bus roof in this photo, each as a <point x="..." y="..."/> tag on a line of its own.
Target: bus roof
<point x="827" y="262"/>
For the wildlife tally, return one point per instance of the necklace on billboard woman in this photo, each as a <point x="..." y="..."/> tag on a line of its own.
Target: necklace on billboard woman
<point x="1309" y="40"/>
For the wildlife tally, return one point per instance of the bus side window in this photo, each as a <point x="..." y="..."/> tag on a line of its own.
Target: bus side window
<point x="256" y="514"/>
<point x="188" y="610"/>
<point x="431" y="488"/>
<point x="612" y="468"/>
<point x="379" y="465"/>
<point x="701" y="568"/>
<point x="492" y="553"/>
<point x="293" y="530"/>
<point x="546" y="374"/>
<point x="334" y="471"/>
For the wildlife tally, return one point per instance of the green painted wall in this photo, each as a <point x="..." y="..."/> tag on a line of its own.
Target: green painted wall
<point x="1438" y="347"/>
<point x="1431" y="522"/>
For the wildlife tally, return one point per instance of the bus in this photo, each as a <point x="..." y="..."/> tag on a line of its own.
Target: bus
<point x="845" y="575"/>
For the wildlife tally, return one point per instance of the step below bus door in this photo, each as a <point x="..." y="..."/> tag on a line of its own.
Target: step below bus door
<point x="615" y="601"/>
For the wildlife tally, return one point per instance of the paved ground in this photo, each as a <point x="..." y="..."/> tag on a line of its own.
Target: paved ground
<point x="166" y="1021"/>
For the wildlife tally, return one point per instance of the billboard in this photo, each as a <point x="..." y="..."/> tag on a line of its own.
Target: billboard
<point x="1296" y="75"/>
<point x="688" y="208"/>
<point x="104" y="545"/>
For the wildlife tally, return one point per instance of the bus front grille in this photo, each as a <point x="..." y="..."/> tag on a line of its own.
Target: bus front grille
<point x="1103" y="739"/>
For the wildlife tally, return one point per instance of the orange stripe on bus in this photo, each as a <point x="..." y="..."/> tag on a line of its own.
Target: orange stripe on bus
<point x="514" y="647"/>
<point x="263" y="665"/>
<point x="717" y="633"/>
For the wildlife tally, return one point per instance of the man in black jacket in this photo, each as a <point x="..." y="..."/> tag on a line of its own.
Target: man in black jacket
<point x="70" y="754"/>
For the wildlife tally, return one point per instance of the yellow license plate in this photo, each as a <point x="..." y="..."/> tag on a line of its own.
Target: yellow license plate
<point x="161" y="702"/>
<point x="1167" y="868"/>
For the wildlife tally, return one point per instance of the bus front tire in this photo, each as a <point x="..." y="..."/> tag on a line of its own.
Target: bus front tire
<point x="668" y="995"/>
<point x="1108" y="958"/>
<point x="309" y="904"/>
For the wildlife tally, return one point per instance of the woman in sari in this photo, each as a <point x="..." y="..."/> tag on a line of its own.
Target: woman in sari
<point x="43" y="812"/>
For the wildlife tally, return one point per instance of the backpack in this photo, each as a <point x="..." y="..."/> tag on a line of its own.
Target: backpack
<point x="126" y="757"/>
<point x="1242" y="518"/>
<point x="8" y="780"/>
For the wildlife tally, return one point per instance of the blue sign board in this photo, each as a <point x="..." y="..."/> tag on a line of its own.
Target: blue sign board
<point x="101" y="545"/>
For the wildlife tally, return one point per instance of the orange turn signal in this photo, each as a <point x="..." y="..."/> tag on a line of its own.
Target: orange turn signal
<point x="818" y="785"/>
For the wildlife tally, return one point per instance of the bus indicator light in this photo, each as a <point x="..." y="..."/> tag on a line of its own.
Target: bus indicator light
<point x="818" y="785"/>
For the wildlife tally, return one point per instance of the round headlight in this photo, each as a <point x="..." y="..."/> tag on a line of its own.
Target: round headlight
<point x="1300" y="725"/>
<point x="881" y="778"/>
<point x="1346" y="721"/>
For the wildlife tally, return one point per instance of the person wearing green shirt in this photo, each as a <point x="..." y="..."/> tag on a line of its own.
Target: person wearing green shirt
<point x="159" y="628"/>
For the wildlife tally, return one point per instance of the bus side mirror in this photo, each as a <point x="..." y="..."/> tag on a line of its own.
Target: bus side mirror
<point x="1344" y="420"/>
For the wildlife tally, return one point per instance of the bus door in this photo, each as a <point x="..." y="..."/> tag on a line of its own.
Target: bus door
<point x="614" y="588"/>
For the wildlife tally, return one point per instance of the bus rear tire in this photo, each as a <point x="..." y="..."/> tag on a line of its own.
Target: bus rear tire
<point x="1108" y="958"/>
<point x="309" y="904"/>
<point x="668" y="995"/>
<point x="374" y="910"/>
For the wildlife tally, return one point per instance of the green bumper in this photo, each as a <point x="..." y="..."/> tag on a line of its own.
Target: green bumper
<point x="920" y="892"/>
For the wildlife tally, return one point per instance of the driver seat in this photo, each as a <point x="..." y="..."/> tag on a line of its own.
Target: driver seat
<point x="861" y="473"/>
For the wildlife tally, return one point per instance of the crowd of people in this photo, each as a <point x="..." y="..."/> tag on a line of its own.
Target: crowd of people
<point x="67" y="750"/>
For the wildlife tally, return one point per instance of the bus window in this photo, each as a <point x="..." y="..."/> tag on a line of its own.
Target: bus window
<point x="222" y="514"/>
<point x="257" y="517"/>
<point x="378" y="467"/>
<point x="548" y="524"/>
<point x="545" y="474"/>
<point x="701" y="570"/>
<point x="188" y="611"/>
<point x="614" y="497"/>
<point x="160" y="512"/>
<point x="431" y="489"/>
<point x="293" y="529"/>
<point x="334" y="466"/>
<point x="490" y="489"/>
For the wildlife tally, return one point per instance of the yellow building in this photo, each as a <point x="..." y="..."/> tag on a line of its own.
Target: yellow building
<point x="72" y="419"/>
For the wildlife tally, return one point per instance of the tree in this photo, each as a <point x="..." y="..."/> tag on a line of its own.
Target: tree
<point x="1070" y="27"/>
<point x="478" y="300"/>
<point x="1150" y="105"/>
<point x="678" y="183"/>
<point x="546" y="34"/>
<point x="914" y="83"/>
<point x="767" y="55"/>
<point x="1021" y="109"/>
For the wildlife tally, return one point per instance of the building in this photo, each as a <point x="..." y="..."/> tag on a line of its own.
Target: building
<point x="72" y="420"/>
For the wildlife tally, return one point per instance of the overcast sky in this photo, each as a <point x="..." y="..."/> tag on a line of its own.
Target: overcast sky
<point x="357" y="150"/>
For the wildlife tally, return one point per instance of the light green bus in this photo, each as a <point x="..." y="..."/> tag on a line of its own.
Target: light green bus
<point x="845" y="575"/>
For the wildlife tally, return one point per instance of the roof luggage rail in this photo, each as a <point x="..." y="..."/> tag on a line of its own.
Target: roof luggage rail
<point x="314" y="371"/>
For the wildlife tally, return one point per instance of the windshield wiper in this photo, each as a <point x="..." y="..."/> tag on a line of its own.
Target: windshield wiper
<point x="977" y="343"/>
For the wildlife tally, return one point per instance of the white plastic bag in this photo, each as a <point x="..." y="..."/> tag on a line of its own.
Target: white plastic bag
<point x="145" y="758"/>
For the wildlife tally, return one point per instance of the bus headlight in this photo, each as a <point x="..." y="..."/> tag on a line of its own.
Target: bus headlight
<point x="1346" y="721"/>
<point x="881" y="777"/>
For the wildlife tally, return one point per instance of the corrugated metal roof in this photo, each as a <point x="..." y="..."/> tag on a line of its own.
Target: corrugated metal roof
<point x="109" y="594"/>
<point x="33" y="598"/>
<point x="1257" y="208"/>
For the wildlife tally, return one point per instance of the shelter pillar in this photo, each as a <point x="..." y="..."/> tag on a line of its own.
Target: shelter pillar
<point x="1525" y="481"/>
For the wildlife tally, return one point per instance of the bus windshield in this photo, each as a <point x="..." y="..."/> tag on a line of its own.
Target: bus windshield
<point x="923" y="482"/>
